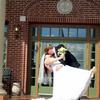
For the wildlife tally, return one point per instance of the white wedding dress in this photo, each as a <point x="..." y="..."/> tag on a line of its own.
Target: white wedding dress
<point x="69" y="83"/>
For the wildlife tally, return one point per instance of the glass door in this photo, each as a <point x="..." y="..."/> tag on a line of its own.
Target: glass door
<point x="33" y="68"/>
<point x="76" y="40"/>
<point x="77" y="49"/>
<point x="92" y="89"/>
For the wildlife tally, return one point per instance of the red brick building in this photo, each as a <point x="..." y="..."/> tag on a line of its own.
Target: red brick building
<point x="40" y="23"/>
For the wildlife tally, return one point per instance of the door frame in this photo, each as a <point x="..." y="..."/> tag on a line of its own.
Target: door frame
<point x="75" y="40"/>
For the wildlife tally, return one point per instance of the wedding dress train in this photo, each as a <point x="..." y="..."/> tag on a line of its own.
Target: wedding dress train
<point x="69" y="83"/>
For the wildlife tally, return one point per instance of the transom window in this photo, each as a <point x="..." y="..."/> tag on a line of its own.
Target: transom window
<point x="64" y="32"/>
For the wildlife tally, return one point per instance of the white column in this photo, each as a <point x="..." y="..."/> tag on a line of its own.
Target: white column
<point x="2" y="21"/>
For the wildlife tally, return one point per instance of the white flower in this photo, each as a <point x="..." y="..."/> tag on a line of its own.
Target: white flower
<point x="61" y="51"/>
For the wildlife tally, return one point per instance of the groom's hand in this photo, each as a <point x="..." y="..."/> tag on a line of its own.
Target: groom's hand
<point x="62" y="56"/>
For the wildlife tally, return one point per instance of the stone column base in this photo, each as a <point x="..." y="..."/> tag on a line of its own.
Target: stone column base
<point x="2" y="91"/>
<point x="4" y="97"/>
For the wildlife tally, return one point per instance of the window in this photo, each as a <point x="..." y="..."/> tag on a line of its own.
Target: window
<point x="54" y="32"/>
<point x="34" y="32"/>
<point x="78" y="50"/>
<point x="81" y="33"/>
<point x="92" y="63"/>
<point x="5" y="44"/>
<point x="45" y="32"/>
<point x="92" y="33"/>
<point x="64" y="32"/>
<point x="72" y="32"/>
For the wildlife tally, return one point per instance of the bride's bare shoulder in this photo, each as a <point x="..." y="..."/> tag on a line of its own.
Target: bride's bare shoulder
<point x="47" y="59"/>
<point x="47" y="56"/>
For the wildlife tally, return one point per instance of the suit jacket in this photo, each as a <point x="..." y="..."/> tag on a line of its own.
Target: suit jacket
<point x="69" y="58"/>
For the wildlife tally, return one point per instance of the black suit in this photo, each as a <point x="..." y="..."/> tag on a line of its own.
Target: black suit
<point x="69" y="58"/>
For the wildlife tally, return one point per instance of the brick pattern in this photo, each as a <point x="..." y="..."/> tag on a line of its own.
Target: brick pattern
<point x="46" y="11"/>
<point x="40" y="12"/>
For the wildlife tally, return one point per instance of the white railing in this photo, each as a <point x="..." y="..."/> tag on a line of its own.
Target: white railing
<point x="2" y="91"/>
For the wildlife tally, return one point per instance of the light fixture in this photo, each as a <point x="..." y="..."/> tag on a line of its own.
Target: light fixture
<point x="17" y="31"/>
<point x="17" y="28"/>
<point x="64" y="6"/>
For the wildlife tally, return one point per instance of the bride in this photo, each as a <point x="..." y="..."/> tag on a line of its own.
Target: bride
<point x="69" y="83"/>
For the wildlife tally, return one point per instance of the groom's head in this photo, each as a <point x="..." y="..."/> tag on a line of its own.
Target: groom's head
<point x="60" y="45"/>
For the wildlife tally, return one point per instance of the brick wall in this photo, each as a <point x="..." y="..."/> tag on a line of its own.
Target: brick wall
<point x="40" y="12"/>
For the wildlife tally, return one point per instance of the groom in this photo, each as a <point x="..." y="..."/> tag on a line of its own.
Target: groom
<point x="69" y="58"/>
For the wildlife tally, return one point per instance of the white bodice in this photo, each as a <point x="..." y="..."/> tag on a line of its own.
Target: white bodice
<point x="56" y="63"/>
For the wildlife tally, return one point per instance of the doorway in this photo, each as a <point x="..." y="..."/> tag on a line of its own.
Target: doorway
<point x="79" y="40"/>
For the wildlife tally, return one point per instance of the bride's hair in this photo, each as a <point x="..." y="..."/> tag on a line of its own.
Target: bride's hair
<point x="46" y="52"/>
<point x="47" y="49"/>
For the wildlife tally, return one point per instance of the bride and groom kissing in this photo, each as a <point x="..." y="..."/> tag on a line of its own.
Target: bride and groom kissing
<point x="69" y="57"/>
<point x="70" y="82"/>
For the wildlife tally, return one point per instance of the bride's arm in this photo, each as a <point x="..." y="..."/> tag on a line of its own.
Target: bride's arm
<point x="50" y="60"/>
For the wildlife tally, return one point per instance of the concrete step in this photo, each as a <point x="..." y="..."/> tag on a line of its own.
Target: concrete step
<point x="33" y="98"/>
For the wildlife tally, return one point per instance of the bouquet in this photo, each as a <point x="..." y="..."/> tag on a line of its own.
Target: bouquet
<point x="62" y="51"/>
